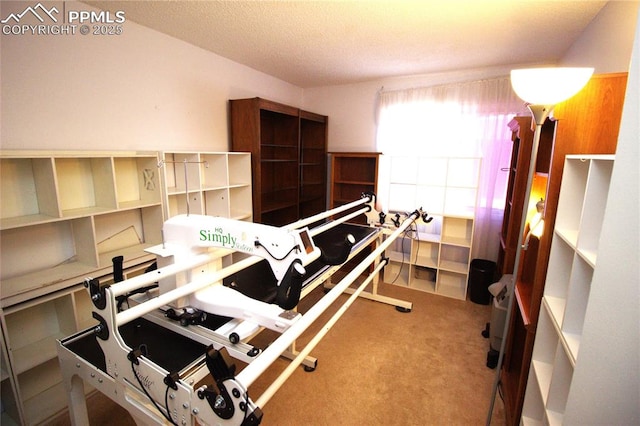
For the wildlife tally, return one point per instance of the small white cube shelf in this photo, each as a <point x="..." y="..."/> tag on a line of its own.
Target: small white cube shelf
<point x="434" y="257"/>
<point x="211" y="183"/>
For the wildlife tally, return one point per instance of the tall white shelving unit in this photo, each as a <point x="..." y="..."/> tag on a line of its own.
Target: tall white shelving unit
<point x="573" y="259"/>
<point x="211" y="183"/>
<point x="435" y="257"/>
<point x="63" y="217"/>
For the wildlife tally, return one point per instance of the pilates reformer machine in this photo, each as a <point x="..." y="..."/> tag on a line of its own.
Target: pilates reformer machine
<point x="165" y="341"/>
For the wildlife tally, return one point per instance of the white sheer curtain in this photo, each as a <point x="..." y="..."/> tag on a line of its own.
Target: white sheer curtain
<point x="456" y="120"/>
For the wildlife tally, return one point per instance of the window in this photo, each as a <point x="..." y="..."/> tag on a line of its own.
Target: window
<point x="445" y="150"/>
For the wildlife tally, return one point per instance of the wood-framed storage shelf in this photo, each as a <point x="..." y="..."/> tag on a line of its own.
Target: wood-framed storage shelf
<point x="572" y="262"/>
<point x="313" y="163"/>
<point x="352" y="174"/>
<point x="522" y="139"/>
<point x="288" y="154"/>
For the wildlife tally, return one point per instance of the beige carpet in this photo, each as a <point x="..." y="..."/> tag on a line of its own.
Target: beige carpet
<point x="378" y="366"/>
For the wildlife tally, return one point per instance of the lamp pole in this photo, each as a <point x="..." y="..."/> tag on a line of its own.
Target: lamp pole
<point x="539" y="115"/>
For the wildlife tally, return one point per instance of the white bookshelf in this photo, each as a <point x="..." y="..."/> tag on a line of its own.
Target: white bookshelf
<point x="11" y="413"/>
<point x="435" y="257"/>
<point x="64" y="216"/>
<point x="572" y="261"/>
<point x="216" y="184"/>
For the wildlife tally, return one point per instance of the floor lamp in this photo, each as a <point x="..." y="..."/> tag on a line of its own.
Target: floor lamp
<point x="541" y="89"/>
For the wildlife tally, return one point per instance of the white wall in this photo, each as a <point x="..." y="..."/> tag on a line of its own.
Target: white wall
<point x="139" y="90"/>
<point x="605" y="44"/>
<point x="146" y="90"/>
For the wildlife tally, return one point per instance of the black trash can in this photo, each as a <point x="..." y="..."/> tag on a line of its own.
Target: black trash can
<point x="481" y="276"/>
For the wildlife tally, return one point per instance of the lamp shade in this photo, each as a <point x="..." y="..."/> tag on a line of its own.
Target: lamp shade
<point x="549" y="86"/>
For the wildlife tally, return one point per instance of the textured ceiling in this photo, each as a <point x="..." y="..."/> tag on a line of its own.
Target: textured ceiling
<point x="319" y="43"/>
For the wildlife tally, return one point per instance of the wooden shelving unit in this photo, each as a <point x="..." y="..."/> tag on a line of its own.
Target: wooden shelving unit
<point x="572" y="262"/>
<point x="352" y="174"/>
<point x="313" y="163"/>
<point x="435" y="257"/>
<point x="288" y="154"/>
<point x="522" y="138"/>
